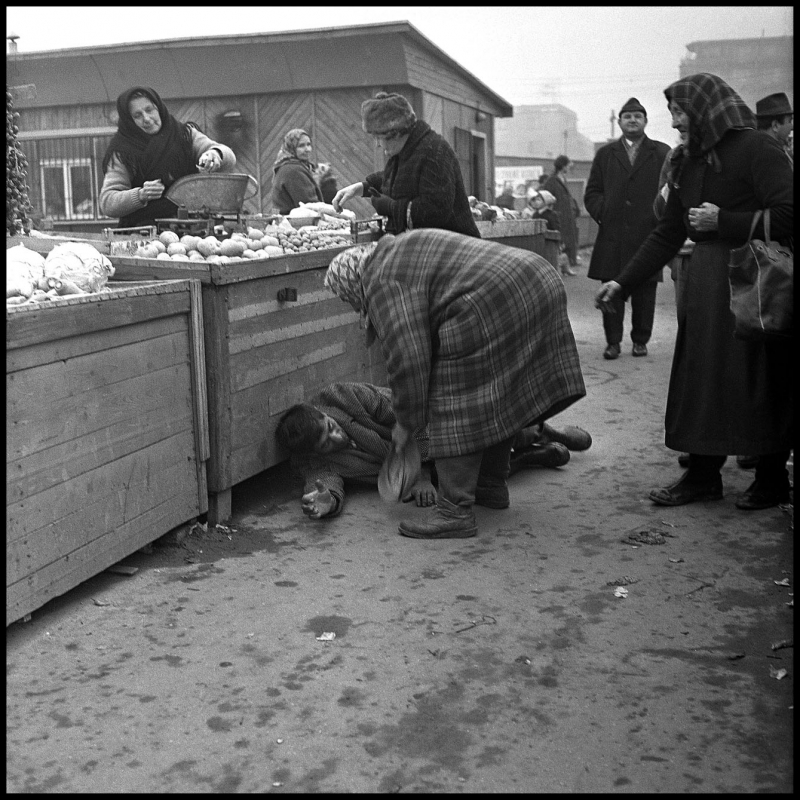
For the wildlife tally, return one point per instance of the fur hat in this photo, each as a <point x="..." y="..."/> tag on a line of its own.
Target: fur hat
<point x="632" y="105"/>
<point x="387" y="111"/>
<point x="774" y="105"/>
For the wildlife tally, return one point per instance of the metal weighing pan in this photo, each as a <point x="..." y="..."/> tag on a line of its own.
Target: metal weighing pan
<point x="221" y="193"/>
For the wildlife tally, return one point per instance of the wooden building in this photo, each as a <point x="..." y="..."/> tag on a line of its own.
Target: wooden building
<point x="246" y="91"/>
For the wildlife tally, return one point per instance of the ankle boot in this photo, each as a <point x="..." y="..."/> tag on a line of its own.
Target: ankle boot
<point x="771" y="486"/>
<point x="444" y="521"/>
<point x="552" y="455"/>
<point x="492" y="489"/>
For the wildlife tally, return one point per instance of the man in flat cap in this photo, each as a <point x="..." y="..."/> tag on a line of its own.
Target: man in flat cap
<point x="622" y="185"/>
<point x="775" y="116"/>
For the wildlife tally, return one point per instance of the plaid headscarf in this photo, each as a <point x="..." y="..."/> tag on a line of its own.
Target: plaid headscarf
<point x="343" y="277"/>
<point x="713" y="109"/>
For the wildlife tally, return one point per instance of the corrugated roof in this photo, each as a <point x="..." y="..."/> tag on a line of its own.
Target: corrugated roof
<point x="262" y="63"/>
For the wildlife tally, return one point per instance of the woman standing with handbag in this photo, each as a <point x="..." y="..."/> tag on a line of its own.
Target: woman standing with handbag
<point x="726" y="395"/>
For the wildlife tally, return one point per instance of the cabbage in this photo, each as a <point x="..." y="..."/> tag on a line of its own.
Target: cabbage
<point x="79" y="263"/>
<point x="24" y="268"/>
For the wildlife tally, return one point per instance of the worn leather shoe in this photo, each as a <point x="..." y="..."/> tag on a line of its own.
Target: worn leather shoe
<point x="758" y="496"/>
<point x="444" y="521"/>
<point x="571" y="436"/>
<point x="639" y="349"/>
<point x="552" y="454"/>
<point x="746" y="462"/>
<point x="611" y="352"/>
<point x="683" y="492"/>
<point x="492" y="496"/>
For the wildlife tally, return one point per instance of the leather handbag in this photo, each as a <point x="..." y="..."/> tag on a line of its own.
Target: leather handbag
<point x="761" y="277"/>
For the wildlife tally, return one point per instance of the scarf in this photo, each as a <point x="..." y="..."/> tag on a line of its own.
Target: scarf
<point x="713" y="109"/>
<point x="344" y="275"/>
<point x="288" y="152"/>
<point x="166" y="155"/>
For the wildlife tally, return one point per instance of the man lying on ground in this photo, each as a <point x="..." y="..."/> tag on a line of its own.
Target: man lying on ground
<point x="345" y="432"/>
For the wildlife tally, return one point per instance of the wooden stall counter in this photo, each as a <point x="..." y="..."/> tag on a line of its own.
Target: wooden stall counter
<point x="274" y="335"/>
<point x="106" y="431"/>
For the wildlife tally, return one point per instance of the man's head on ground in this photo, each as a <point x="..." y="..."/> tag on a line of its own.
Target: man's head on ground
<point x="306" y="429"/>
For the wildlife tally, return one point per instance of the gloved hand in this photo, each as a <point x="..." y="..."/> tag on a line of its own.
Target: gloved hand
<point x="383" y="205"/>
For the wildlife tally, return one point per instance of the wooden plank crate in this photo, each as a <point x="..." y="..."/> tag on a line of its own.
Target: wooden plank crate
<point x="264" y="352"/>
<point x="106" y="431"/>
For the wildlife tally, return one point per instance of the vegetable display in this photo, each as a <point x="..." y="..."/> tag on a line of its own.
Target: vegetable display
<point x="18" y="206"/>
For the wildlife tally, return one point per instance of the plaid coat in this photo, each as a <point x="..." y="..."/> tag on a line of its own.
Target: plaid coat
<point x="475" y="336"/>
<point x="365" y="413"/>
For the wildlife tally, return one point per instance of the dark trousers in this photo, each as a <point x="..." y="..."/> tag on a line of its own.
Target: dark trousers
<point x="643" y="311"/>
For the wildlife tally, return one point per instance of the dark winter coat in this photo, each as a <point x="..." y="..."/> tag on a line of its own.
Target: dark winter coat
<point x="425" y="175"/>
<point x="619" y="197"/>
<point x="565" y="208"/>
<point x="725" y="395"/>
<point x="475" y="335"/>
<point x="293" y="183"/>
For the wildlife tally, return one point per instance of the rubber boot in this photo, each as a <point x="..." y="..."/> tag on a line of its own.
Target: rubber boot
<point x="452" y="517"/>
<point x="492" y="489"/>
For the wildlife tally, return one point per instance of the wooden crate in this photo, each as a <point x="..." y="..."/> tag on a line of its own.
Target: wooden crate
<point x="106" y="432"/>
<point x="264" y="354"/>
<point x="527" y="234"/>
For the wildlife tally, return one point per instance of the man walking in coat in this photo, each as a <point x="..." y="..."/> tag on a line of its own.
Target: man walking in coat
<point x="622" y="186"/>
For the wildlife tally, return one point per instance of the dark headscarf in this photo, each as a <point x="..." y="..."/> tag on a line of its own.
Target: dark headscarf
<point x="166" y="155"/>
<point x="288" y="151"/>
<point x="713" y="109"/>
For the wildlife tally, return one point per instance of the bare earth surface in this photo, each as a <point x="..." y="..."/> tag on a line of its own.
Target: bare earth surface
<point x="503" y="663"/>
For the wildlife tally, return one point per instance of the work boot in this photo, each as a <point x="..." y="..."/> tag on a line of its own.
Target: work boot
<point x="492" y="489"/>
<point x="553" y="455"/>
<point x="571" y="436"/>
<point x="444" y="521"/>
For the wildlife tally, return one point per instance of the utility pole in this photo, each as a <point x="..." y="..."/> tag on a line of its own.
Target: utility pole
<point x="611" y="120"/>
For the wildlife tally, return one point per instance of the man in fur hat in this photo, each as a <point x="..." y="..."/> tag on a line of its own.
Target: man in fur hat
<point x="421" y="185"/>
<point x="622" y="185"/>
<point x="774" y="115"/>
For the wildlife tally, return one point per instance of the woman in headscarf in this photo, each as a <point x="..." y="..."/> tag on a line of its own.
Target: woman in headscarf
<point x="293" y="181"/>
<point x="540" y="206"/>
<point x="725" y="395"/>
<point x="477" y="345"/>
<point x="421" y="185"/>
<point x="147" y="154"/>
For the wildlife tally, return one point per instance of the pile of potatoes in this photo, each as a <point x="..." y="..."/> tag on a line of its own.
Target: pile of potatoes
<point x="254" y="245"/>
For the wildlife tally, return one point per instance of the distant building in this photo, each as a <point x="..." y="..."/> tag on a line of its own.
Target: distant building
<point x="543" y="131"/>
<point x="753" y="67"/>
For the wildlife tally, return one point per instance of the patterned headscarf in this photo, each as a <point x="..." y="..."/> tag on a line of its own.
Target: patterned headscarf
<point x="344" y="275"/>
<point x="713" y="109"/>
<point x="288" y="151"/>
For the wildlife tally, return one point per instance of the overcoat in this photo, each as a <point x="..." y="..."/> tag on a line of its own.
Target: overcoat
<point x="292" y="184"/>
<point x="725" y="395"/>
<point x="619" y="197"/>
<point x="425" y="175"/>
<point x="475" y="335"/>
<point x="565" y="208"/>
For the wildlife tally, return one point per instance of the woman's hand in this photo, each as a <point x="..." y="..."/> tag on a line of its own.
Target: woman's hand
<point x="346" y="194"/>
<point x="210" y="161"/>
<point x="319" y="502"/>
<point x="605" y="294"/>
<point x="151" y="190"/>
<point x="704" y="217"/>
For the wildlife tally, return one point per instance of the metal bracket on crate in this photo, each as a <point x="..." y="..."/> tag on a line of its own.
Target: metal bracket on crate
<point x="145" y="231"/>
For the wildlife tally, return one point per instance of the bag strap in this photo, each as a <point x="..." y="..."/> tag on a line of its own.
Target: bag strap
<point x="756" y="218"/>
<point x="766" y="229"/>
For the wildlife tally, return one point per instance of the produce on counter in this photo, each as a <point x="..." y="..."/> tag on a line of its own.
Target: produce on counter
<point x="80" y="264"/>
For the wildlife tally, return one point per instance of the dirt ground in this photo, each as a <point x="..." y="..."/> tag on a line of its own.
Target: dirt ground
<point x="504" y="663"/>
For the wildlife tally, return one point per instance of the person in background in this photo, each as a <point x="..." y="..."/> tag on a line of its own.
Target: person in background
<point x="293" y="179"/>
<point x="506" y="198"/>
<point x="567" y="210"/>
<point x="477" y="345"/>
<point x="326" y="181"/>
<point x="147" y="154"/>
<point x="344" y="432"/>
<point x="540" y="206"/>
<point x="421" y="185"/>
<point x="622" y="185"/>
<point x="543" y="178"/>
<point x="724" y="174"/>
<point x="774" y="115"/>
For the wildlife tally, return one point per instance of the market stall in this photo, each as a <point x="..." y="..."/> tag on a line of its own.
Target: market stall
<point x="528" y="234"/>
<point x="106" y="431"/>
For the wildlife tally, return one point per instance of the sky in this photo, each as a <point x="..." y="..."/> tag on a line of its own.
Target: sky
<point x="589" y="59"/>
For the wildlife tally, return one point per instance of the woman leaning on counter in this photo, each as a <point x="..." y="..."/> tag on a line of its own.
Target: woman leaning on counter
<point x="421" y="185"/>
<point x="147" y="154"/>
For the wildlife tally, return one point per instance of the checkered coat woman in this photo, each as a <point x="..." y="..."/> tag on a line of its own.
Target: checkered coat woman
<point x="475" y="335"/>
